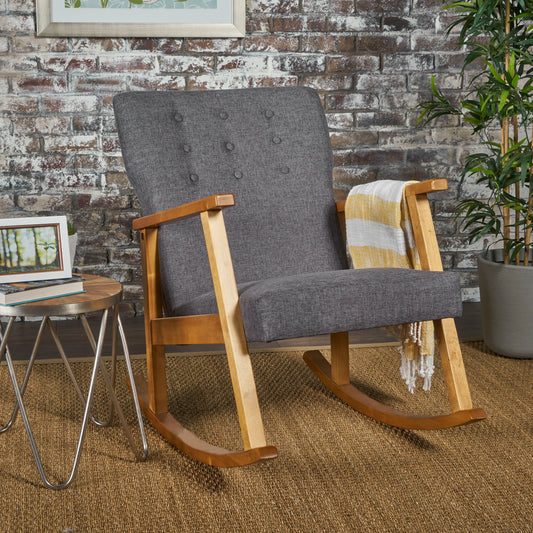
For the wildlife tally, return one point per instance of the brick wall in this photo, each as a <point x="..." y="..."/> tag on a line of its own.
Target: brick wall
<point x="371" y="60"/>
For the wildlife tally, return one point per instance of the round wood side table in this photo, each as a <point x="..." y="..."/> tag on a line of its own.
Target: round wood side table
<point x="101" y="294"/>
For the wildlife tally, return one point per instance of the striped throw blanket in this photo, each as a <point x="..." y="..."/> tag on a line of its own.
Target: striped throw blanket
<point x="379" y="234"/>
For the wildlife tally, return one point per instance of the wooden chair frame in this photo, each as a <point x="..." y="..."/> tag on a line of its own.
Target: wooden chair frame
<point x="227" y="328"/>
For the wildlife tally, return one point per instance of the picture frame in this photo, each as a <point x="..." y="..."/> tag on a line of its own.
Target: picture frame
<point x="34" y="248"/>
<point x="141" y="18"/>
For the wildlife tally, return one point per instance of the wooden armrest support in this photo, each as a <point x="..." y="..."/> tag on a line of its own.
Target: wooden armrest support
<point x="340" y="206"/>
<point x="215" y="202"/>
<point x="412" y="189"/>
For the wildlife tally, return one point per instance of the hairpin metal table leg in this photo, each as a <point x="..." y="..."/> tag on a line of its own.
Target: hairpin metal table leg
<point x="109" y="381"/>
<point x="92" y="342"/>
<point x="64" y="357"/>
<point x="28" y="369"/>
<point x="132" y="384"/>
<point x="22" y="408"/>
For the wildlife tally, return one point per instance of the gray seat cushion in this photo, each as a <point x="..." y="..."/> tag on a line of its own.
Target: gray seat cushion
<point x="343" y="300"/>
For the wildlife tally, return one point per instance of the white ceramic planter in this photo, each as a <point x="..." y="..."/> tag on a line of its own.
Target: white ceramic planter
<point x="72" y="243"/>
<point x="506" y="293"/>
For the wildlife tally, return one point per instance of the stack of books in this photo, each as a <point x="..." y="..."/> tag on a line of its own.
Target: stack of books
<point x="32" y="291"/>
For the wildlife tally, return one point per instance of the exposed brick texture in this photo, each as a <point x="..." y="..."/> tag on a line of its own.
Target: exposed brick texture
<point x="371" y="61"/>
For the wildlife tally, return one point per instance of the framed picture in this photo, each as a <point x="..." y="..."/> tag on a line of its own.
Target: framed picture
<point x="34" y="248"/>
<point x="141" y="18"/>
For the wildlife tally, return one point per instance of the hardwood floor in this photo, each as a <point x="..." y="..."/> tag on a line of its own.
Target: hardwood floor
<point x="75" y="344"/>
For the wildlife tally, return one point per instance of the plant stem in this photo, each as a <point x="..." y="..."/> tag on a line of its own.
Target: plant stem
<point x="527" y="236"/>
<point x="505" y="147"/>
<point x="516" y="193"/>
<point x="506" y="214"/>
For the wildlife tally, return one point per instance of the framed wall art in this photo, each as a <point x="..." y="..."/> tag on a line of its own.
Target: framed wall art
<point x="141" y="18"/>
<point x="34" y="248"/>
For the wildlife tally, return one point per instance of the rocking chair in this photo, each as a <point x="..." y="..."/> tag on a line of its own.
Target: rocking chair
<point x="287" y="275"/>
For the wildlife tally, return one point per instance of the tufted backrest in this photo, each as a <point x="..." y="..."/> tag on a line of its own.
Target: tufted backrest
<point x="269" y="147"/>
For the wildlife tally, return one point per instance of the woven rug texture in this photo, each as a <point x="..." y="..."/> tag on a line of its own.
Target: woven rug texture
<point x="337" y="470"/>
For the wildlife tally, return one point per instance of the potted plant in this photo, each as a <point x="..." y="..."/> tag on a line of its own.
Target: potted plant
<point x="497" y="105"/>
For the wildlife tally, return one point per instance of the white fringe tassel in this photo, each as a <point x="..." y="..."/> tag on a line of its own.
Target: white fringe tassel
<point x="412" y="369"/>
<point x="422" y="367"/>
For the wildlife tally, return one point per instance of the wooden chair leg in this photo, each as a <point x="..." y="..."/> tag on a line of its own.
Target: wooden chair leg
<point x="340" y="358"/>
<point x="155" y="355"/>
<point x="452" y="364"/>
<point x="233" y="330"/>
<point x="157" y="379"/>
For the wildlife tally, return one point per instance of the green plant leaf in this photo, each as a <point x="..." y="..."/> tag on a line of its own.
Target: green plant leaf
<point x="503" y="99"/>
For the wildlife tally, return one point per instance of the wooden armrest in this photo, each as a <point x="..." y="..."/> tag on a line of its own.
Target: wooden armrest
<point x="425" y="187"/>
<point x="215" y="202"/>
<point x="412" y="189"/>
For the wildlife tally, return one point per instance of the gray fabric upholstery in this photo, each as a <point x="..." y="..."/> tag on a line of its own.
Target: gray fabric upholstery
<point x="270" y="148"/>
<point x="343" y="300"/>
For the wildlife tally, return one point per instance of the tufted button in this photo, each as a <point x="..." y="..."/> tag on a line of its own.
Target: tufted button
<point x="223" y="115"/>
<point x="285" y="170"/>
<point x="269" y="113"/>
<point x="230" y="147"/>
<point x="276" y="140"/>
<point x="178" y="117"/>
<point x="187" y="148"/>
<point x="193" y="177"/>
<point x="238" y="174"/>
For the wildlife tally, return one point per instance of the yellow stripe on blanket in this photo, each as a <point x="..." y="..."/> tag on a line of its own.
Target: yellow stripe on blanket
<point x="379" y="235"/>
<point x="384" y="211"/>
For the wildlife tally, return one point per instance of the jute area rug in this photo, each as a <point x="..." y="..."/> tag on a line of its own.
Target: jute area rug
<point x="337" y="470"/>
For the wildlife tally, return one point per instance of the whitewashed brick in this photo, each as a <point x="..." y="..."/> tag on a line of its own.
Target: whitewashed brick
<point x="70" y="104"/>
<point x="86" y="45"/>
<point x="78" y="180"/>
<point x="17" y="63"/>
<point x="18" y="104"/>
<point x="268" y="6"/>
<point x="17" y="23"/>
<point x="76" y="143"/>
<point x="340" y="120"/>
<point x="20" y="6"/>
<point x="245" y="64"/>
<point x="226" y="80"/>
<point x="156" y="82"/>
<point x="19" y="144"/>
<point x="353" y="23"/>
<point x="189" y="64"/>
<point x="32" y="163"/>
<point x="44" y="202"/>
<point x="42" y="125"/>
<point x="68" y="63"/>
<point x="25" y="43"/>
<point x="7" y="203"/>
<point x="5" y="125"/>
